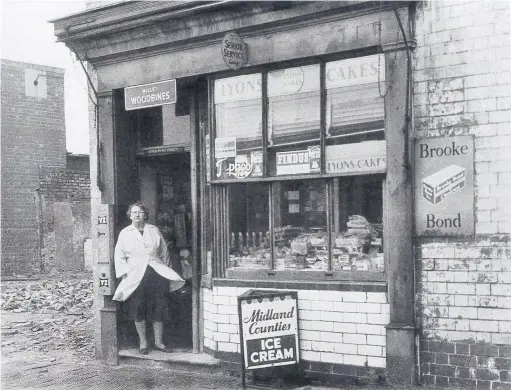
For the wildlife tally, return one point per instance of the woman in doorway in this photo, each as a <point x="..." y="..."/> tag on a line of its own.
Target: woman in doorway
<point x="141" y="259"/>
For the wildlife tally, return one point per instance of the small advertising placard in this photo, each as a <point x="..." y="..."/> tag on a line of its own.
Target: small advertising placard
<point x="150" y="95"/>
<point x="225" y="147"/>
<point x="444" y="186"/>
<point x="356" y="158"/>
<point x="269" y="328"/>
<point x="241" y="166"/>
<point x="299" y="161"/>
<point x="103" y="243"/>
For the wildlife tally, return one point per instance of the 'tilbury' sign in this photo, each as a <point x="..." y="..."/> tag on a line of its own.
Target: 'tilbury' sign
<point x="269" y="328"/>
<point x="444" y="186"/>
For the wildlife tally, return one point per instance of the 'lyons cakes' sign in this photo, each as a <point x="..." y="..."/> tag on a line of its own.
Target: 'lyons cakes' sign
<point x="444" y="186"/>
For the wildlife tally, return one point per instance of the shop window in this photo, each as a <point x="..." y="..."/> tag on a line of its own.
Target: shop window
<point x="294" y="120"/>
<point x="300" y="232"/>
<point x="357" y="224"/>
<point x="249" y="243"/>
<point x="304" y="181"/>
<point x="355" y="105"/>
<point x="238" y="125"/>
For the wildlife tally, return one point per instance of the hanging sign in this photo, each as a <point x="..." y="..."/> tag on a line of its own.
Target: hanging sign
<point x="150" y="95"/>
<point x="234" y="51"/>
<point x="356" y="158"/>
<point x="444" y="186"/>
<point x="269" y="328"/>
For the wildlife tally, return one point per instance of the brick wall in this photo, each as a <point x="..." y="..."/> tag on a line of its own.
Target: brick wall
<point x="64" y="196"/>
<point x="341" y="333"/>
<point x="462" y="77"/>
<point x="33" y="135"/>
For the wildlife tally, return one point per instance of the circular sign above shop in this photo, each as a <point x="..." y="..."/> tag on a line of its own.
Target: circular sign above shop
<point x="234" y="51"/>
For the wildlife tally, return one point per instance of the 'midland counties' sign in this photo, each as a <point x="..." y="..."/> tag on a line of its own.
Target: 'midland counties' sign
<point x="270" y="330"/>
<point x="150" y="95"/>
<point x="444" y="186"/>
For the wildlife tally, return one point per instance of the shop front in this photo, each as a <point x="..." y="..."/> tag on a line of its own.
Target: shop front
<point x="280" y="161"/>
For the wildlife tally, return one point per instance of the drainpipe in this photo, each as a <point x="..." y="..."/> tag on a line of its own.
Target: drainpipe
<point x="39" y="213"/>
<point x="409" y="158"/>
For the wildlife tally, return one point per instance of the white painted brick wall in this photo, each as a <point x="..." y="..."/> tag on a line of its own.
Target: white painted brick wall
<point x="462" y="82"/>
<point x="334" y="326"/>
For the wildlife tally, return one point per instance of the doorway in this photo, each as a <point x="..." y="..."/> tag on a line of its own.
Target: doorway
<point x="165" y="187"/>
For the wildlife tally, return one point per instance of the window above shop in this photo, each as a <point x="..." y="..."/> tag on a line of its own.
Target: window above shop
<point x="277" y="124"/>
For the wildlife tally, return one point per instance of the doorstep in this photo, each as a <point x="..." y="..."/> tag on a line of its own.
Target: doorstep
<point x="179" y="359"/>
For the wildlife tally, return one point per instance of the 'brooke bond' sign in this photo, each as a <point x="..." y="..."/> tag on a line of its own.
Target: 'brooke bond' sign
<point x="444" y="186"/>
<point x="150" y="95"/>
<point x="269" y="328"/>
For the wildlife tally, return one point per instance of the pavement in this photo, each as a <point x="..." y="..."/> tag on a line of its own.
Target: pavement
<point x="95" y="375"/>
<point x="53" y="349"/>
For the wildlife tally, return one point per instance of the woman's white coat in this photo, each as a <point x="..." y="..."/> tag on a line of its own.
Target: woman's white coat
<point x="134" y="252"/>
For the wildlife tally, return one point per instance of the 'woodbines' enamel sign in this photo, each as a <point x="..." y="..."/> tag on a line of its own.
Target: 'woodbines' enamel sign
<point x="269" y="329"/>
<point x="234" y="51"/>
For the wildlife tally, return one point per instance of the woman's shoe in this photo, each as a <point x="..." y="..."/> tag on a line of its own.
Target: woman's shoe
<point x="165" y="349"/>
<point x="143" y="351"/>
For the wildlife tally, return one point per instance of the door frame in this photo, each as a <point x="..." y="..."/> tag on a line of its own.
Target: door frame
<point x="196" y="253"/>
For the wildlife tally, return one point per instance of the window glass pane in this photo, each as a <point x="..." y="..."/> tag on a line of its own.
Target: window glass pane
<point x="249" y="226"/>
<point x="238" y="118"/>
<point x="358" y="224"/>
<point x="294" y="120"/>
<point x="300" y="235"/>
<point x="355" y="107"/>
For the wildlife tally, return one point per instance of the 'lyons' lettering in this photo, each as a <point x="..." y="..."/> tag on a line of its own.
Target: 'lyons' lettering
<point x="433" y="222"/>
<point x="240" y="88"/>
<point x="451" y="150"/>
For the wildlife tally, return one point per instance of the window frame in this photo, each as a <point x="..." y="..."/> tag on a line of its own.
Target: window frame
<point x="221" y="185"/>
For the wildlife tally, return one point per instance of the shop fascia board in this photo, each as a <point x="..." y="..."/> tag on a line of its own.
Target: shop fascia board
<point x="131" y="38"/>
<point x="283" y="44"/>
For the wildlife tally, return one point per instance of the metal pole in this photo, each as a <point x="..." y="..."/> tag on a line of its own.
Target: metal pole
<point x="242" y="347"/>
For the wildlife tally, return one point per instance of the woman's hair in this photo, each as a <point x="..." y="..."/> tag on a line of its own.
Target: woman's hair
<point x="141" y="206"/>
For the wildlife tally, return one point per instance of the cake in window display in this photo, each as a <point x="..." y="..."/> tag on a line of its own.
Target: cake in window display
<point x="310" y="250"/>
<point x="358" y="248"/>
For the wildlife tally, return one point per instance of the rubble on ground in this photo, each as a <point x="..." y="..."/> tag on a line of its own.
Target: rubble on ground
<point x="62" y="319"/>
<point x="44" y="296"/>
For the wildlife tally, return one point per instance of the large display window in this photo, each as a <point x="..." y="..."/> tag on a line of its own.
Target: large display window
<point x="301" y="154"/>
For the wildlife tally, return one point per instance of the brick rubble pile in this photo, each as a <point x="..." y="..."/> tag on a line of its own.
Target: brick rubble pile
<point x="61" y="320"/>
